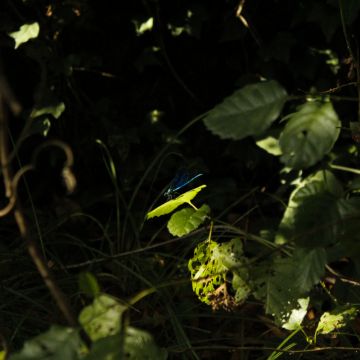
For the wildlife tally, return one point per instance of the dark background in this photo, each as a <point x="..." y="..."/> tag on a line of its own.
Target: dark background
<point x="111" y="80"/>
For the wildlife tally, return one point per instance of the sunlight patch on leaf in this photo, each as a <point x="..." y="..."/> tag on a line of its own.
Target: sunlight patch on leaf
<point x="25" y="33"/>
<point x="336" y="319"/>
<point x="142" y="27"/>
<point x="187" y="220"/>
<point x="297" y="315"/>
<point x="270" y="145"/>
<point x="178" y="30"/>
<point x="172" y="204"/>
<point x="210" y="268"/>
<point x="39" y="126"/>
<point x="55" y="110"/>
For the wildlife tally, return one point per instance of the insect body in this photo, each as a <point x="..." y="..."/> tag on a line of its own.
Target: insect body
<point x="181" y="179"/>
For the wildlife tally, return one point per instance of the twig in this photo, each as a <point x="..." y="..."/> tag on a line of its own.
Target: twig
<point x="355" y="60"/>
<point x="342" y="277"/>
<point x="10" y="184"/>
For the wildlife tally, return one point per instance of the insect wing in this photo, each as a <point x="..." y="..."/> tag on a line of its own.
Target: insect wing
<point x="181" y="179"/>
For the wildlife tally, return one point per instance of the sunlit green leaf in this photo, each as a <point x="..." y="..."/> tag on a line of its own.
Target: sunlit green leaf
<point x="270" y="145"/>
<point x="141" y="27"/>
<point x="186" y="220"/>
<point x="102" y="317"/>
<point x="58" y="343"/>
<point x="25" y="33"/>
<point x="336" y="319"/>
<point x="209" y="268"/>
<point x="171" y="205"/>
<point x="309" y="134"/>
<point x="40" y="126"/>
<point x="54" y="110"/>
<point x="249" y="111"/>
<point x="297" y="315"/>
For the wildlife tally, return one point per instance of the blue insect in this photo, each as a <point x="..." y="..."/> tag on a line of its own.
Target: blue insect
<point x="181" y="179"/>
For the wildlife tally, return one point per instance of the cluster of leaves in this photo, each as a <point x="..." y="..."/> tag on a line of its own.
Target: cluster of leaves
<point x="103" y="322"/>
<point x="128" y="99"/>
<point x="319" y="217"/>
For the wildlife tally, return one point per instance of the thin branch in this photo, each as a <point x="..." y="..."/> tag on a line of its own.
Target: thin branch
<point x="7" y="98"/>
<point x="355" y="60"/>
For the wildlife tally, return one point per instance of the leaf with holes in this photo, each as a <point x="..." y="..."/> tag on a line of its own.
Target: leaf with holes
<point x="336" y="319"/>
<point x="309" y="134"/>
<point x="248" y="111"/>
<point x="211" y="268"/>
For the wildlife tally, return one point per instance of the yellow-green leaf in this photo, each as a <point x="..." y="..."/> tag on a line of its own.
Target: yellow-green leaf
<point x="25" y="33"/>
<point x="172" y="204"/>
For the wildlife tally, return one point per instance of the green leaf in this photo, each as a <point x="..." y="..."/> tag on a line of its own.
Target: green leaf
<point x="281" y="291"/>
<point x="349" y="233"/>
<point x="270" y="145"/>
<point x="297" y="315"/>
<point x="311" y="218"/>
<point x="142" y="27"/>
<point x="211" y="266"/>
<point x="88" y="284"/>
<point x="336" y="319"/>
<point x="248" y="111"/>
<point x="102" y="317"/>
<point x="58" y="343"/>
<point x="171" y="205"/>
<point x="55" y="110"/>
<point x="137" y="345"/>
<point x="187" y="220"/>
<point x="207" y="274"/>
<point x="311" y="267"/>
<point x="309" y="134"/>
<point x="316" y="221"/>
<point x="40" y="119"/>
<point x="291" y="279"/>
<point x="25" y="33"/>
